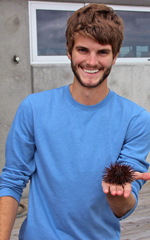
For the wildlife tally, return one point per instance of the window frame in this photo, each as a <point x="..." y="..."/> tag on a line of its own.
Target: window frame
<point x="134" y="9"/>
<point x="34" y="5"/>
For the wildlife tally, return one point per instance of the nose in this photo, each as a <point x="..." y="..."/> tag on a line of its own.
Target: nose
<point x="92" y="60"/>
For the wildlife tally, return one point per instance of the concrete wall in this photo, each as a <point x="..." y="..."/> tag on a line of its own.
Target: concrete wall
<point x="19" y="80"/>
<point x="129" y="80"/>
<point x="15" y="79"/>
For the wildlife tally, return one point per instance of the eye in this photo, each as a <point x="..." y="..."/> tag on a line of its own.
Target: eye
<point x="82" y="50"/>
<point x="104" y="52"/>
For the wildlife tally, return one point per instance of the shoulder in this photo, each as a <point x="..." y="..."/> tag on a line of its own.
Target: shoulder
<point x="36" y="103"/>
<point x="130" y="106"/>
<point x="47" y="94"/>
<point x="133" y="115"/>
<point x="43" y="98"/>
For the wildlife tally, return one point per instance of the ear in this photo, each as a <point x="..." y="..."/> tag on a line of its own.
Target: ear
<point x="115" y="58"/>
<point x="68" y="54"/>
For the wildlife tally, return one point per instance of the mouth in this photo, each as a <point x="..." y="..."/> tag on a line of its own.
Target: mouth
<point x="91" y="71"/>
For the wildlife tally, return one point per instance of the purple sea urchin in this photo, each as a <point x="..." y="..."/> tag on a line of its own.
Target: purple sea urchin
<point x="118" y="174"/>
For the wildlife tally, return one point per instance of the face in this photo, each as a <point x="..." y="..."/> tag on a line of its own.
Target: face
<point x="91" y="62"/>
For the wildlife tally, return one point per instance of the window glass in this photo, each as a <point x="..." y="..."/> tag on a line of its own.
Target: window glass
<point x="48" y="24"/>
<point x="136" y="42"/>
<point x="51" y="27"/>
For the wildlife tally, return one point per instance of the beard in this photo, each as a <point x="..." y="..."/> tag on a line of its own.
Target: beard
<point x="101" y="80"/>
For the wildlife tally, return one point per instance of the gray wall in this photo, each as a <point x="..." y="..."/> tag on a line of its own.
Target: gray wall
<point x="19" y="80"/>
<point x="15" y="79"/>
<point x="129" y="80"/>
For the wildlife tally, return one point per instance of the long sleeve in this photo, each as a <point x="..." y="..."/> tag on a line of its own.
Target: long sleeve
<point x="20" y="148"/>
<point x="136" y="148"/>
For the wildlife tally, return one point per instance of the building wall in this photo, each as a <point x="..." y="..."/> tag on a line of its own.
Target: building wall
<point x="130" y="81"/>
<point x="19" y="80"/>
<point x="15" y="79"/>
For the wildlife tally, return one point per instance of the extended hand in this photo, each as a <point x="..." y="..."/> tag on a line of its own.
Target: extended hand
<point x="126" y="189"/>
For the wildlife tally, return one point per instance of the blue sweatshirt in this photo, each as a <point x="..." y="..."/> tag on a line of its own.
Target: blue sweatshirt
<point x="62" y="147"/>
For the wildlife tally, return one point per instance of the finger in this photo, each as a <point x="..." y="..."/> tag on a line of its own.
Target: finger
<point x="116" y="190"/>
<point x="113" y="190"/>
<point x="127" y="190"/>
<point x="105" y="187"/>
<point x="143" y="176"/>
<point x="120" y="190"/>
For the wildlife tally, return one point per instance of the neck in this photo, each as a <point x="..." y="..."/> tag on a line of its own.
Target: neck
<point x="89" y="96"/>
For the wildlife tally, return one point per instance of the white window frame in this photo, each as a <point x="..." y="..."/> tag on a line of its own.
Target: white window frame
<point x="134" y="9"/>
<point x="34" y="5"/>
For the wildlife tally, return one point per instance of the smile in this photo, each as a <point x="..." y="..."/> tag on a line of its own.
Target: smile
<point x="91" y="71"/>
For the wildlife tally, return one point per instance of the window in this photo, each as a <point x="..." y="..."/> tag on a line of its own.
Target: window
<point x="136" y="44"/>
<point x="48" y="24"/>
<point x="50" y="32"/>
<point x="47" y="31"/>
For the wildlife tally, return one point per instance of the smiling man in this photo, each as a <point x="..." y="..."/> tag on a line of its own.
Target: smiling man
<point x="91" y="64"/>
<point x="90" y="61"/>
<point x="63" y="139"/>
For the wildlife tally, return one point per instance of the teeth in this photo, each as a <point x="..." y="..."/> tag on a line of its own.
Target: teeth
<point x="91" y="71"/>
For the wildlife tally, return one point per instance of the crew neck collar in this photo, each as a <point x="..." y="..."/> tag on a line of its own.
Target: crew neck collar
<point x="88" y="107"/>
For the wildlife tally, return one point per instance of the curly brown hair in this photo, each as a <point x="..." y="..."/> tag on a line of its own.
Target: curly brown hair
<point x="98" y="22"/>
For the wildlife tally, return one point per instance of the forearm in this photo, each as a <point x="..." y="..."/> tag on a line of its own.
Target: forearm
<point x="119" y="204"/>
<point x="120" y="198"/>
<point x="8" y="211"/>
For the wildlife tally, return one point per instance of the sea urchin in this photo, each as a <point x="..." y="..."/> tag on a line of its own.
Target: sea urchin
<point x="118" y="174"/>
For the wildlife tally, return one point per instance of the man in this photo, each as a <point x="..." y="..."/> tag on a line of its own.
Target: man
<point x="63" y="139"/>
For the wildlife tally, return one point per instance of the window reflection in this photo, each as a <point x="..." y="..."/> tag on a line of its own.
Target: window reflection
<point x="51" y="26"/>
<point x="137" y="34"/>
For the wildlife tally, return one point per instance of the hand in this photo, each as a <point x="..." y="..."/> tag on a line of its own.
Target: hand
<point x="126" y="189"/>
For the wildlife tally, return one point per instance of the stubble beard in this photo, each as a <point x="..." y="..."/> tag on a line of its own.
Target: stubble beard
<point x="101" y="80"/>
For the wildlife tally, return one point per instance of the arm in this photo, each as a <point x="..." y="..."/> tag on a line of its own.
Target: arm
<point x="18" y="168"/>
<point x="134" y="151"/>
<point x="120" y="199"/>
<point x="8" y="212"/>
